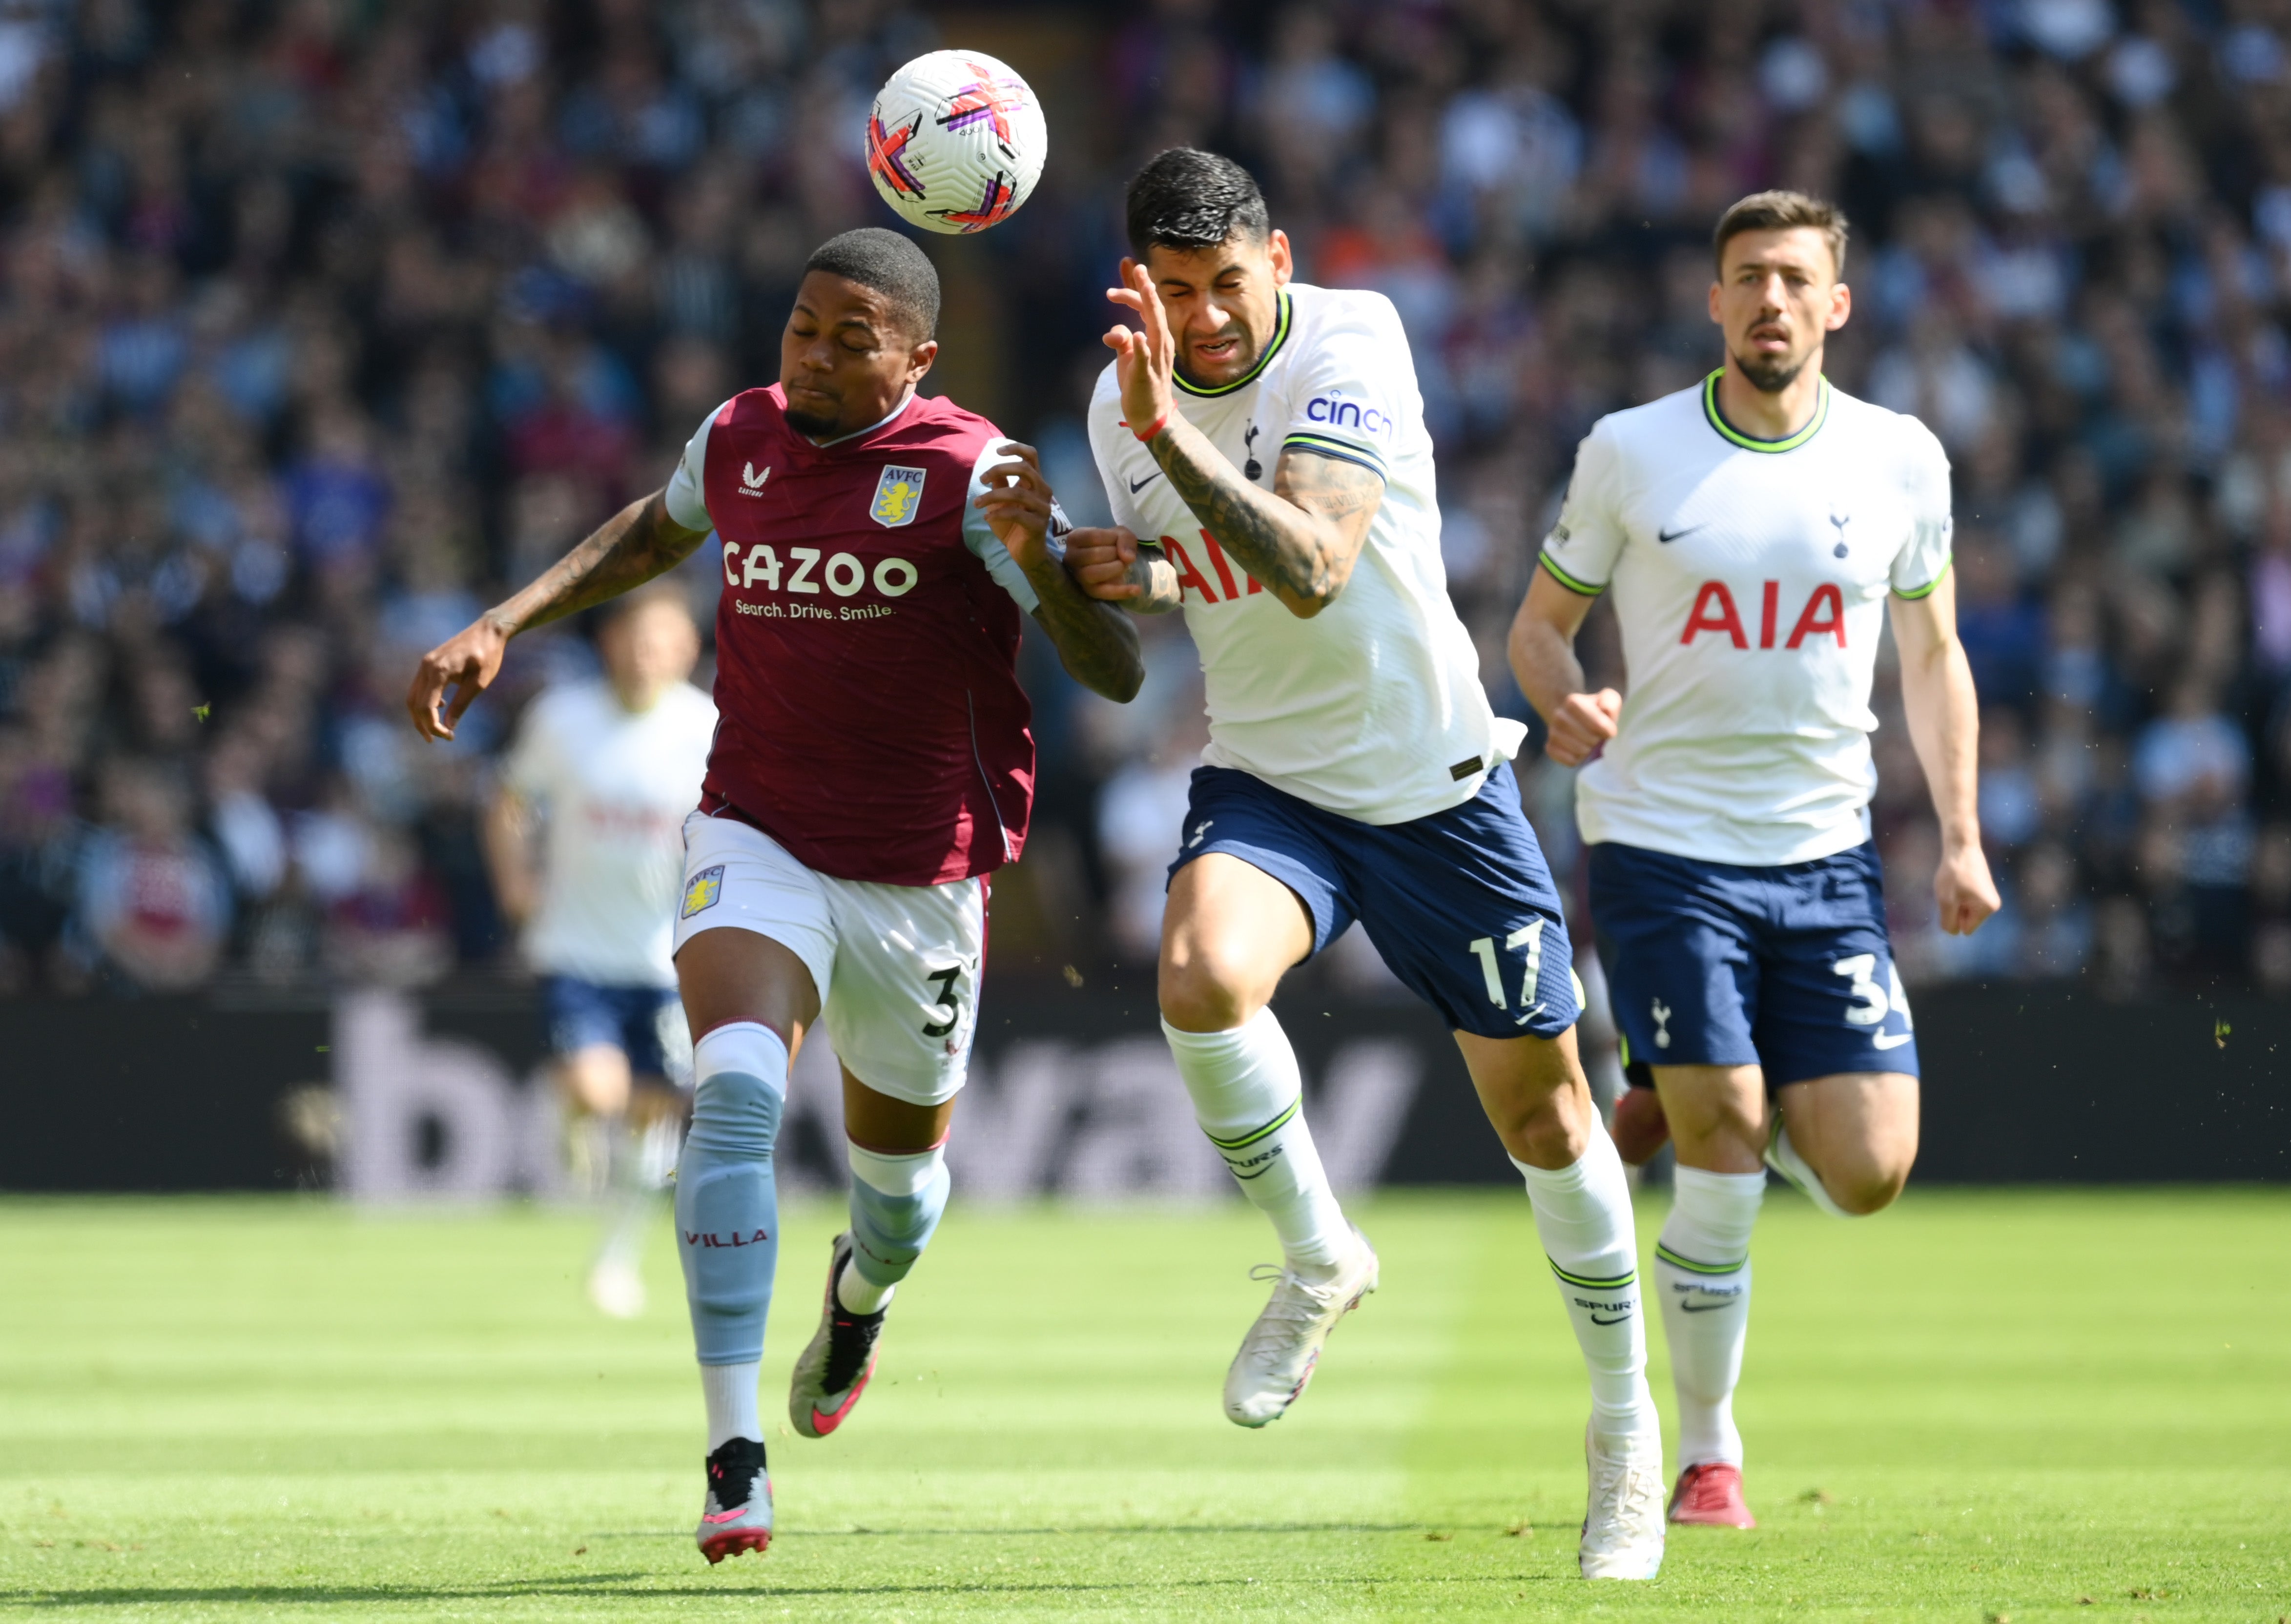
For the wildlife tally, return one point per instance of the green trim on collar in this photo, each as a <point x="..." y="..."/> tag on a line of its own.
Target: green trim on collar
<point x="1280" y="336"/>
<point x="1926" y="590"/>
<point x="1751" y="442"/>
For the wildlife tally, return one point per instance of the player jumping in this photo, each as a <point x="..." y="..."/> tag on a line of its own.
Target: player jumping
<point x="1268" y="440"/>
<point x="1751" y="527"/>
<point x="872" y="767"/>
<point x="609" y="765"/>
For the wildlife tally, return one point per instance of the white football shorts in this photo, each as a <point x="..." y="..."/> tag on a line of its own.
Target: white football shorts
<point x="897" y="966"/>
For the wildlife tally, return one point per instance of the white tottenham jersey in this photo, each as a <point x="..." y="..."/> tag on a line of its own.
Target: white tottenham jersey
<point x="1750" y="578"/>
<point x="613" y="787"/>
<point x="1372" y="709"/>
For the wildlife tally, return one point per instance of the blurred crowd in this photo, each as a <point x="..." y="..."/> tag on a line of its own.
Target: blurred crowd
<point x="322" y="322"/>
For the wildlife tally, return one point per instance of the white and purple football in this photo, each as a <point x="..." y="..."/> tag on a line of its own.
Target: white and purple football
<point x="956" y="142"/>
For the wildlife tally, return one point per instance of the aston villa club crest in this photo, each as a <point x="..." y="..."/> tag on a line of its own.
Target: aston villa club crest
<point x="702" y="890"/>
<point x="898" y="494"/>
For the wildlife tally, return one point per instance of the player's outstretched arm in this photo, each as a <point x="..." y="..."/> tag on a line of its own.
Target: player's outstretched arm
<point x="1096" y="642"/>
<point x="637" y="542"/>
<point x="1944" y="716"/>
<point x="1543" y="660"/>
<point x="1302" y="541"/>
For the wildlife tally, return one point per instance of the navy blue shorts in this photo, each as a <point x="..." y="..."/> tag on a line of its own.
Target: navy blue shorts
<point x="582" y="1014"/>
<point x="1785" y="968"/>
<point x="1460" y="904"/>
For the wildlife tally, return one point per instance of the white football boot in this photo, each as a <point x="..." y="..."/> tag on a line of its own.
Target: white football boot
<point x="1782" y="1156"/>
<point x="1278" y="1355"/>
<point x="836" y="1366"/>
<point x="737" y="1514"/>
<point x="1623" y="1522"/>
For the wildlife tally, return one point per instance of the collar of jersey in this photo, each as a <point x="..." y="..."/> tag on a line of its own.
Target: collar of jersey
<point x="905" y="401"/>
<point x="1750" y="442"/>
<point x="1280" y="326"/>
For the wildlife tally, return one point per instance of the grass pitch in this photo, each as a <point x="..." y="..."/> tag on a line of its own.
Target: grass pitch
<point x="1977" y="1407"/>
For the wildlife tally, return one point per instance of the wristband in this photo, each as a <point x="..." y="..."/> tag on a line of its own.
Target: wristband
<point x="1159" y="424"/>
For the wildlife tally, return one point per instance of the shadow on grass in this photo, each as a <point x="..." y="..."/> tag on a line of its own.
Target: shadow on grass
<point x="632" y="1587"/>
<point x="1067" y="1528"/>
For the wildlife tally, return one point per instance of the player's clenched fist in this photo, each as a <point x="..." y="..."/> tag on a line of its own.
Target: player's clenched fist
<point x="472" y="658"/>
<point x="1964" y="889"/>
<point x="1104" y="563"/>
<point x="1581" y="724"/>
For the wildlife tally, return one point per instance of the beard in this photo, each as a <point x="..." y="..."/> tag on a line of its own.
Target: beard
<point x="1770" y="377"/>
<point x="809" y="424"/>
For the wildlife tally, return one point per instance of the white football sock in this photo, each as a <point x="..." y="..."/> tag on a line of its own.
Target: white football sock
<point x="632" y="1205"/>
<point x="1784" y="1157"/>
<point x="855" y="1292"/>
<point x="1583" y="1217"/>
<point x="1702" y="1271"/>
<point x="730" y="1390"/>
<point x="1248" y="1098"/>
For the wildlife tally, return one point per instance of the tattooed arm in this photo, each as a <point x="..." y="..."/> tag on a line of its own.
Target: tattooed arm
<point x="637" y="542"/>
<point x="1300" y="542"/>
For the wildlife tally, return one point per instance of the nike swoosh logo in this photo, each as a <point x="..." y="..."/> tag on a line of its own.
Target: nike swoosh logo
<point x="723" y="1516"/>
<point x="1667" y="537"/>
<point x="1137" y="486"/>
<point x="1708" y="1307"/>
<point x="1522" y="1020"/>
<point x="1896" y="1042"/>
<point x="1618" y="1320"/>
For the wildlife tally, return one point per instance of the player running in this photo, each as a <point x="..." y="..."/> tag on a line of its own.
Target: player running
<point x="873" y="765"/>
<point x="1750" y="528"/>
<point x="607" y="770"/>
<point x="1269" y="439"/>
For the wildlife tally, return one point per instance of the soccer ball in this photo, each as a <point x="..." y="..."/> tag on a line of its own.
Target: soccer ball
<point x="956" y="142"/>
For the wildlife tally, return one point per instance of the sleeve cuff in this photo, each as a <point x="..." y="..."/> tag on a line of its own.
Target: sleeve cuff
<point x="1343" y="451"/>
<point x="1581" y="589"/>
<point x="1915" y="593"/>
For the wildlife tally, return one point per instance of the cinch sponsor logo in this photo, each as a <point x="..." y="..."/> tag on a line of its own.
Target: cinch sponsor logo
<point x="694" y="1237"/>
<point x="1339" y="413"/>
<point x="843" y="574"/>
<point x="1824" y="615"/>
<point x="1190" y="579"/>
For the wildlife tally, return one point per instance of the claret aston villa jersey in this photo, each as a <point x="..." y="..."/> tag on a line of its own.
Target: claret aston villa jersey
<point x="871" y="719"/>
<point x="1749" y="577"/>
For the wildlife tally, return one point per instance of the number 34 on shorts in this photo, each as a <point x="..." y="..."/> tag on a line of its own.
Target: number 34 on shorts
<point x="1872" y="1003"/>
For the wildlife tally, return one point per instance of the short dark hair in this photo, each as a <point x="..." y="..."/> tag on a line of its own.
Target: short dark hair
<point x="892" y="265"/>
<point x="1782" y="211"/>
<point x="1188" y="199"/>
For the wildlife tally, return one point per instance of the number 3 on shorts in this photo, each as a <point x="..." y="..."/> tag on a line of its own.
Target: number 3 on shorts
<point x="948" y="999"/>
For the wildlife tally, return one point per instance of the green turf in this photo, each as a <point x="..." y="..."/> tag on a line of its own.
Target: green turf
<point x="1975" y="1406"/>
